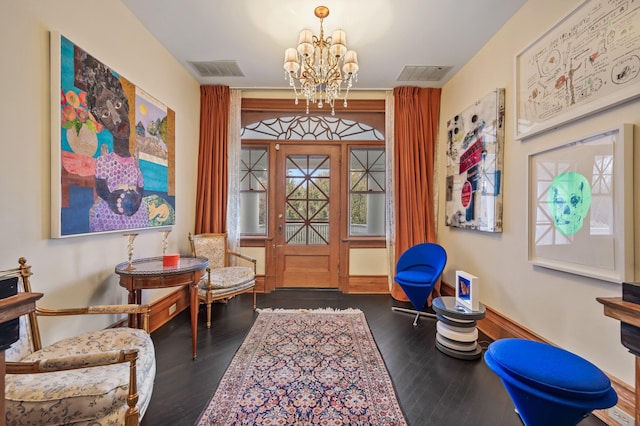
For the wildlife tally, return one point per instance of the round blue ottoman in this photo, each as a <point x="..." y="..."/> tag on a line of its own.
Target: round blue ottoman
<point x="549" y="385"/>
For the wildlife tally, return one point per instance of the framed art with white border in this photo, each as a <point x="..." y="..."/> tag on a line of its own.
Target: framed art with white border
<point x="467" y="290"/>
<point x="587" y="62"/>
<point x="580" y="206"/>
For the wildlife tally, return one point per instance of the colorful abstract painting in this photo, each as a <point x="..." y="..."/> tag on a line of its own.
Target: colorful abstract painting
<point x="475" y="139"/>
<point x="112" y="149"/>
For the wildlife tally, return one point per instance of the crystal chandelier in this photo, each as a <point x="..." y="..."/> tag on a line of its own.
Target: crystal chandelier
<point x="318" y="67"/>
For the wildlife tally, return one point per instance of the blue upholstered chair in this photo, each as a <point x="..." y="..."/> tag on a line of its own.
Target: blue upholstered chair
<point x="417" y="272"/>
<point x="549" y="385"/>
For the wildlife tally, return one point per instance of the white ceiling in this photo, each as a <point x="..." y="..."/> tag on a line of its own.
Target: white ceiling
<point x="386" y="34"/>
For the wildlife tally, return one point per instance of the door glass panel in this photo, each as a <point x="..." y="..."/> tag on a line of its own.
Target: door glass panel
<point x="308" y="127"/>
<point x="254" y="173"/>
<point x="307" y="204"/>
<point x="367" y="192"/>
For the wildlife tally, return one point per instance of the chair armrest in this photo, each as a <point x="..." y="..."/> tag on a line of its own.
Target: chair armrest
<point x="97" y="309"/>
<point x="208" y="272"/>
<point x="72" y="362"/>
<point x="244" y="257"/>
<point x="130" y="309"/>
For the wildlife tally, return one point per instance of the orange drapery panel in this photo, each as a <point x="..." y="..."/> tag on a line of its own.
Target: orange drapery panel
<point x="416" y="114"/>
<point x="211" y="195"/>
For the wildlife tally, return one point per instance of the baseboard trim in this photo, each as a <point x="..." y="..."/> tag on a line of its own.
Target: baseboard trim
<point x="367" y="284"/>
<point x="497" y="326"/>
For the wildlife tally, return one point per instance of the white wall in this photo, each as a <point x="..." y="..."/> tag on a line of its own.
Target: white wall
<point x="558" y="306"/>
<point x="80" y="270"/>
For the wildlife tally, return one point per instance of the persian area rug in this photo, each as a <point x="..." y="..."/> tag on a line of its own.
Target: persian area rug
<point x="306" y="367"/>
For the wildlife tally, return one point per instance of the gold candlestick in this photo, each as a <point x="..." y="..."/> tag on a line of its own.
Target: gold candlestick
<point x="130" y="238"/>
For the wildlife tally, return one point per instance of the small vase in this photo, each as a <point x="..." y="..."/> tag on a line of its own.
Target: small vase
<point x="165" y="234"/>
<point x="130" y="238"/>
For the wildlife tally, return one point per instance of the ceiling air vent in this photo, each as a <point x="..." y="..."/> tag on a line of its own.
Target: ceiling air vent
<point x="217" y="69"/>
<point x="423" y="73"/>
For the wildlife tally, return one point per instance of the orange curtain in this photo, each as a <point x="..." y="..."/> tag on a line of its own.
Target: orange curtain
<point x="211" y="196"/>
<point x="416" y="112"/>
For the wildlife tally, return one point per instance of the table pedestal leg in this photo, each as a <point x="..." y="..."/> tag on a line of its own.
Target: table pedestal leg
<point x="193" y="292"/>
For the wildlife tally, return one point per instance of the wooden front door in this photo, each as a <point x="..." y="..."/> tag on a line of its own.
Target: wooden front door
<point x="307" y="216"/>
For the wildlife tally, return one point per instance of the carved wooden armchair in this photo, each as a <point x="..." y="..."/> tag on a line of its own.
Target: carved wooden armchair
<point x="222" y="280"/>
<point x="98" y="378"/>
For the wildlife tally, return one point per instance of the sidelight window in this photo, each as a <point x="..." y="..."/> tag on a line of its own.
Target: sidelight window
<point x="254" y="182"/>
<point x="367" y="192"/>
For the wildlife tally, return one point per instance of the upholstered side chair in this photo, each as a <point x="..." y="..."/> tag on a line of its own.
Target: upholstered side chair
<point x="98" y="378"/>
<point x="229" y="273"/>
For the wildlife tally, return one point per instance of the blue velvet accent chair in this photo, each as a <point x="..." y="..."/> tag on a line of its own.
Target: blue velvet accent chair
<point x="417" y="272"/>
<point x="549" y="385"/>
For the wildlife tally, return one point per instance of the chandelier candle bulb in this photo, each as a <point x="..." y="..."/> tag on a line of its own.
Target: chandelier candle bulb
<point x="291" y="66"/>
<point x="337" y="50"/>
<point x="290" y="55"/>
<point x="339" y="37"/>
<point x="351" y="57"/>
<point x="305" y="49"/>
<point x="306" y="36"/>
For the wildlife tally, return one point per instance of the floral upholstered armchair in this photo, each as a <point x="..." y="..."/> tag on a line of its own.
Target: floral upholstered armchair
<point x="98" y="378"/>
<point x="223" y="278"/>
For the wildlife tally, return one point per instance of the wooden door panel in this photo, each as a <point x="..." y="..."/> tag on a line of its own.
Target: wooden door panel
<point x="307" y="263"/>
<point x="308" y="270"/>
<point x="308" y="207"/>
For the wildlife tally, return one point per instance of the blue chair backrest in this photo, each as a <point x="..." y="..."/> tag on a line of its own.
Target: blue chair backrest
<point x="429" y="257"/>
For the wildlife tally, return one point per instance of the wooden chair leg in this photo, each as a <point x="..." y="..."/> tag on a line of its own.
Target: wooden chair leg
<point x="254" y="297"/>
<point x="209" y="315"/>
<point x="132" y="416"/>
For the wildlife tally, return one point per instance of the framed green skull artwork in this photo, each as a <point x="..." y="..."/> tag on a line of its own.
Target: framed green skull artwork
<point x="580" y="212"/>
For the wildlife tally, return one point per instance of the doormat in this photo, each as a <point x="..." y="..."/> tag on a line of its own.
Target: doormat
<point x="306" y="367"/>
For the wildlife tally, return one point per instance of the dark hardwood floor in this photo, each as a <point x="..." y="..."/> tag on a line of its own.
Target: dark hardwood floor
<point x="433" y="389"/>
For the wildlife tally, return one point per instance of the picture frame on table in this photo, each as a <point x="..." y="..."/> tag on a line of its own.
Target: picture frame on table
<point x="467" y="291"/>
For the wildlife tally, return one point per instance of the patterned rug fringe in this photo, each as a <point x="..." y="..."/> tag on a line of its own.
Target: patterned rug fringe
<point x="315" y="311"/>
